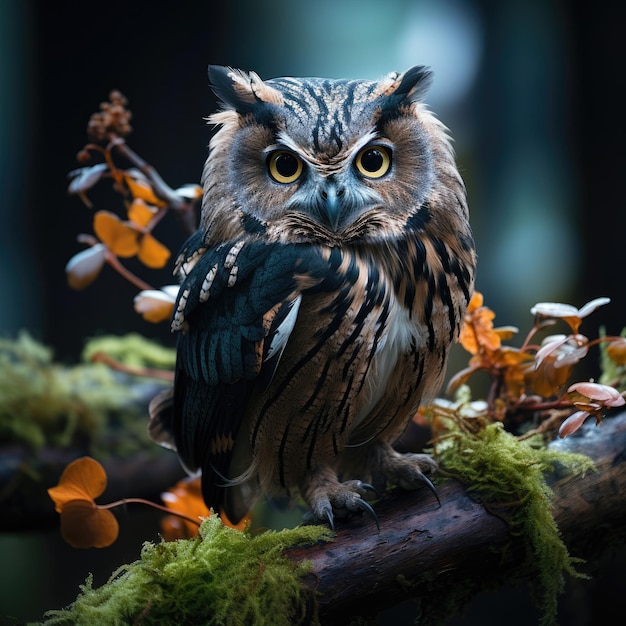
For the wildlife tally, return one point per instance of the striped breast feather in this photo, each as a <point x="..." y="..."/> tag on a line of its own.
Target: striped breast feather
<point x="237" y="307"/>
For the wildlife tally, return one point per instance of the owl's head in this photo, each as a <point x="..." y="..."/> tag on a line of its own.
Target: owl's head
<point x="319" y="160"/>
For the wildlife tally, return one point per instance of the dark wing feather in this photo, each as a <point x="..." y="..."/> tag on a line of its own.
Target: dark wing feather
<point x="236" y="300"/>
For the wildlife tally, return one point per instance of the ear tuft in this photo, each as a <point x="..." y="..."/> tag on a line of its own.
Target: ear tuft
<point x="241" y="91"/>
<point x="411" y="85"/>
<point x="415" y="83"/>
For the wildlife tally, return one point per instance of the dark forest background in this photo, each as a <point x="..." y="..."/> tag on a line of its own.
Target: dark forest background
<point x="531" y="90"/>
<point x="537" y="129"/>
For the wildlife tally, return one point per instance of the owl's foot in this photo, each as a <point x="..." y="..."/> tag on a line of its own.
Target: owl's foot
<point x="409" y="471"/>
<point x="330" y="499"/>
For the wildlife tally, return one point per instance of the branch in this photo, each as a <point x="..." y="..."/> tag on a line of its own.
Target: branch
<point x="422" y="550"/>
<point x="183" y="208"/>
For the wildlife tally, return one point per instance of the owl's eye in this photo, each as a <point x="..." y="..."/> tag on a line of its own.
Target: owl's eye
<point x="284" y="166"/>
<point x="373" y="161"/>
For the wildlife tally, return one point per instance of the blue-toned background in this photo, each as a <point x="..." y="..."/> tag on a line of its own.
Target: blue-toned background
<point x="531" y="90"/>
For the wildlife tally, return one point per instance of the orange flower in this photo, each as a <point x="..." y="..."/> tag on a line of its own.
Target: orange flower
<point x="83" y="523"/>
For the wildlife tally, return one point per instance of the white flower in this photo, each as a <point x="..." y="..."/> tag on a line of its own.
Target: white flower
<point x="557" y="309"/>
<point x="83" y="268"/>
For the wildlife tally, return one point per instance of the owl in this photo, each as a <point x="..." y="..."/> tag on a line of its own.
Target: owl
<point x="321" y="294"/>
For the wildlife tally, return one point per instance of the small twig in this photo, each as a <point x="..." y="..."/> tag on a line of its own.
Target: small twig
<point x="546" y="425"/>
<point x="149" y="372"/>
<point x="182" y="207"/>
<point x="115" y="263"/>
<point x="154" y="505"/>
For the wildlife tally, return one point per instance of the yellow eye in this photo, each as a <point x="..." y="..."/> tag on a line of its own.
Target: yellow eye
<point x="373" y="161"/>
<point x="284" y="166"/>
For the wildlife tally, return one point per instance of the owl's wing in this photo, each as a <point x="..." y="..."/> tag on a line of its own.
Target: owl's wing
<point x="236" y="309"/>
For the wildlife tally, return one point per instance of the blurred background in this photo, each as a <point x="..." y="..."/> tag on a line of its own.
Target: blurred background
<point x="529" y="89"/>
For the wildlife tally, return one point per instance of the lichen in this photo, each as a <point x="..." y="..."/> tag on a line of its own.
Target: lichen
<point x="505" y="472"/>
<point x="223" y="576"/>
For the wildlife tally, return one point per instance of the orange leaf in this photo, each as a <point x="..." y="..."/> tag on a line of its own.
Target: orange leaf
<point x="84" y="525"/>
<point x="475" y="302"/>
<point x="506" y="332"/>
<point x="508" y="356"/>
<point x="467" y="338"/>
<point x="241" y="525"/>
<point x="460" y="378"/>
<point x="119" y="237"/>
<point x="477" y="331"/>
<point x="82" y="479"/>
<point x="152" y="252"/>
<point x="142" y="190"/>
<point x="141" y="213"/>
<point x="186" y="498"/>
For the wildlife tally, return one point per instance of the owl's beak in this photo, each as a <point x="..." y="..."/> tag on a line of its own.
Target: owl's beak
<point x="331" y="204"/>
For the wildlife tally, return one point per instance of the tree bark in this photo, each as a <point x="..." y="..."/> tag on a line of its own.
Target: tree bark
<point x="422" y="549"/>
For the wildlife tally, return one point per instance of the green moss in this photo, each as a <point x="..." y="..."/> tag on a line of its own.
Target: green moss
<point x="222" y="577"/>
<point x="131" y="349"/>
<point x="501" y="470"/>
<point x="45" y="403"/>
<point x="87" y="406"/>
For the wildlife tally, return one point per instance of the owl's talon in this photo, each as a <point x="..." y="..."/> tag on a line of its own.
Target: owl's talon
<point x="371" y="488"/>
<point x="328" y="511"/>
<point x="432" y="488"/>
<point x="366" y="506"/>
<point x="322" y="512"/>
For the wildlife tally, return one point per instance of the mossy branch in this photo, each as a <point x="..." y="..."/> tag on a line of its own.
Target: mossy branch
<point x="443" y="556"/>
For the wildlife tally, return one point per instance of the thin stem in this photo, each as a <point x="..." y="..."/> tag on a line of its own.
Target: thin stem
<point x="493" y="391"/>
<point x="114" y="262"/>
<point x="154" y="505"/>
<point x="150" y="372"/>
<point x="529" y="336"/>
<point x="561" y="403"/>
<point x="599" y="340"/>
<point x="182" y="207"/>
<point x="158" y="216"/>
